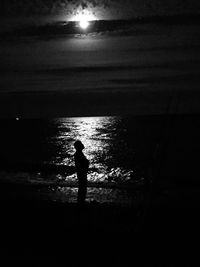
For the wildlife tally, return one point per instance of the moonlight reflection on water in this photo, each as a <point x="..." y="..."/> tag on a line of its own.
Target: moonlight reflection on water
<point x="102" y="144"/>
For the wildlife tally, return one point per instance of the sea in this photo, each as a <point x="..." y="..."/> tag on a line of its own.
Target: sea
<point x="40" y="153"/>
<point x="125" y="154"/>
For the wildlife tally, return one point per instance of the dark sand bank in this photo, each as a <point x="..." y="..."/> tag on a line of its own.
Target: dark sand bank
<point x="161" y="231"/>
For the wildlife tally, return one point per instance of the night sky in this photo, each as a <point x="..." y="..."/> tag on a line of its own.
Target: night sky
<point x="101" y="8"/>
<point x="50" y="67"/>
<point x="15" y="14"/>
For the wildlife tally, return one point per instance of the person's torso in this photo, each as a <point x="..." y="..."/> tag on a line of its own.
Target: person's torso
<point x="81" y="162"/>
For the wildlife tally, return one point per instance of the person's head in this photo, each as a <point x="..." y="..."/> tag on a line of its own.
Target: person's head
<point x="79" y="145"/>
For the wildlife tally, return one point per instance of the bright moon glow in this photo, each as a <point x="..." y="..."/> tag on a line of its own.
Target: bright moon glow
<point x="84" y="24"/>
<point x="83" y="18"/>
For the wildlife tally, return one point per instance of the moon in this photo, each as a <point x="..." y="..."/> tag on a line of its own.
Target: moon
<point x="83" y="19"/>
<point x="84" y="23"/>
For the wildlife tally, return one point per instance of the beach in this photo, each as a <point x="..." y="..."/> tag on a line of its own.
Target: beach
<point x="48" y="233"/>
<point x="146" y="231"/>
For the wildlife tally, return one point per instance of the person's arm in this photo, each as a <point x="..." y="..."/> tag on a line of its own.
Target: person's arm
<point x="86" y="163"/>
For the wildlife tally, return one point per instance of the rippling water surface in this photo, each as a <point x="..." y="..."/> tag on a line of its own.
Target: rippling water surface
<point x="118" y="148"/>
<point x="105" y="146"/>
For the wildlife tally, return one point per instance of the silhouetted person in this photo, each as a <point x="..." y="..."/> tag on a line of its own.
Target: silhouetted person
<point x="82" y="165"/>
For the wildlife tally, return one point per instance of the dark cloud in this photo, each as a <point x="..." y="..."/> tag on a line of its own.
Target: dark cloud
<point x="25" y="7"/>
<point x="114" y="7"/>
